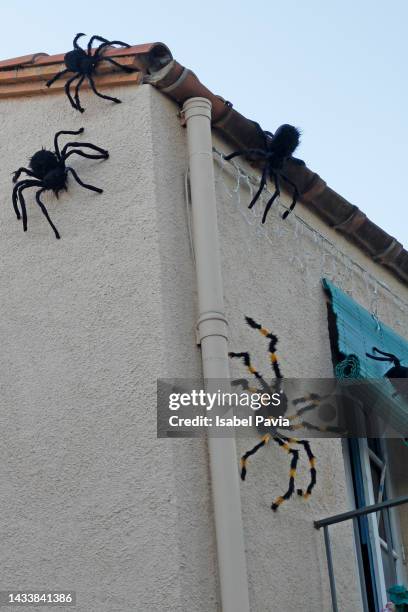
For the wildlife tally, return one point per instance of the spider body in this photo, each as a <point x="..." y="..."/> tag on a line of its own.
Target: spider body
<point x="397" y="373"/>
<point x="83" y="64"/>
<point x="55" y="180"/>
<point x="49" y="172"/>
<point x="277" y="149"/>
<point x="284" y="143"/>
<point x="78" y="61"/>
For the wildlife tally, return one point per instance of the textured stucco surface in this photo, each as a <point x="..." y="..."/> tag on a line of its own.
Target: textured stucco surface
<point x="89" y="498"/>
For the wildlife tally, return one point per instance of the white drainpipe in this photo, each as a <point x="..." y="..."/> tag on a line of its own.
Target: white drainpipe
<point x="212" y="333"/>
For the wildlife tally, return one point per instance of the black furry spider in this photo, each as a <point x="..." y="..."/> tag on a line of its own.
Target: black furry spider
<point x="50" y="173"/>
<point x="277" y="149"/>
<point x="267" y="433"/>
<point x="83" y="64"/>
<point x="396" y="374"/>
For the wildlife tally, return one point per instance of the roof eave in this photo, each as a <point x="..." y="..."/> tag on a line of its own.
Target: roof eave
<point x="154" y="64"/>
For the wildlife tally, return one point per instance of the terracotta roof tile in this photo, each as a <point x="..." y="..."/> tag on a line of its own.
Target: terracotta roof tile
<point x="25" y="87"/>
<point x="27" y="75"/>
<point x="43" y="59"/>
<point x="22" y="60"/>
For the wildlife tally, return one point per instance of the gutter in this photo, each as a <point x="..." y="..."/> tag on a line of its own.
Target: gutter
<point x="212" y="329"/>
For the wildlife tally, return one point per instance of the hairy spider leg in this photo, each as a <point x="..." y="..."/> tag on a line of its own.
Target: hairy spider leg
<point x="301" y="411"/>
<point x="311" y="397"/>
<point x="261" y="187"/>
<point x="22" y="200"/>
<point x="387" y="356"/>
<point x="265" y="135"/>
<point x="378" y="358"/>
<point x="45" y="212"/>
<point x="259" y="152"/>
<point x="110" y="43"/>
<point x="314" y="400"/>
<point x="124" y="68"/>
<point x="295" y="196"/>
<point x="247" y="361"/>
<point x="61" y="133"/>
<point x="23" y="207"/>
<point x="292" y="473"/>
<point x="273" y="198"/>
<point x="91" y="40"/>
<point x="102" y="153"/>
<point x="16" y="194"/>
<point x="14" y="199"/>
<point x="272" y="344"/>
<point x="84" y="154"/>
<point x="76" y="95"/>
<point x="17" y="173"/>
<point x="78" y="180"/>
<point x="255" y="449"/>
<point x="68" y="92"/>
<point x="57" y="76"/>
<point x="312" y="464"/>
<point x="235" y="154"/>
<point x="75" y="43"/>
<point x="93" y="87"/>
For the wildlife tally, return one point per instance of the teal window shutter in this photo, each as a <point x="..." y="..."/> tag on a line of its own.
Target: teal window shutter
<point x="354" y="331"/>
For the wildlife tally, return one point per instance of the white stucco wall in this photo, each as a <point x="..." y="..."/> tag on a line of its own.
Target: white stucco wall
<point x="89" y="498"/>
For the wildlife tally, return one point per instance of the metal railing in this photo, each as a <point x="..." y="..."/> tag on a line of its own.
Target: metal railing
<point x="353" y="515"/>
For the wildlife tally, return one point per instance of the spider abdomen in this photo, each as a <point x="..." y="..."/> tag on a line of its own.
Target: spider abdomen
<point x="55" y="179"/>
<point x="285" y="140"/>
<point x="78" y="61"/>
<point x="42" y="162"/>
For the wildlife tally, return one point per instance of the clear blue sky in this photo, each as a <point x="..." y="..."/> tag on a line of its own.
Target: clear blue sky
<point x="338" y="70"/>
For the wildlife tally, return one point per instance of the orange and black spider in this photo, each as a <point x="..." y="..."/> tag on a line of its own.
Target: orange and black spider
<point x="267" y="433"/>
<point x="83" y="64"/>
<point x="277" y="149"/>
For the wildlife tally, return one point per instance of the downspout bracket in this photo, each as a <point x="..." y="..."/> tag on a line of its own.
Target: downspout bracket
<point x="211" y="323"/>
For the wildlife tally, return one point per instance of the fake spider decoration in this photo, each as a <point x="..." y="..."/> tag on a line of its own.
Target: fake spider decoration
<point x="277" y="149"/>
<point x="268" y="433"/>
<point x="49" y="171"/>
<point x="396" y="374"/>
<point x="83" y="64"/>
